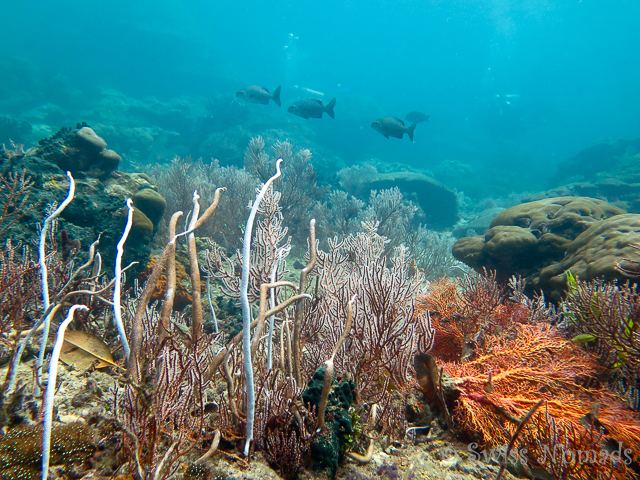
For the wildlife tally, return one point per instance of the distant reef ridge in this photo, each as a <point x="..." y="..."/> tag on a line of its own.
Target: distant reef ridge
<point x="438" y="205"/>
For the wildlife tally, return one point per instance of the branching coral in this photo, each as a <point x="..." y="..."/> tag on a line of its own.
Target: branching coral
<point x="285" y="444"/>
<point x="341" y="215"/>
<point x="178" y="181"/>
<point x="14" y="197"/>
<point x="268" y="240"/>
<point x="164" y="415"/>
<point x="605" y="317"/>
<point x="389" y="209"/>
<point x="442" y="301"/>
<point x="464" y="310"/>
<point x="184" y="175"/>
<point x="18" y="297"/>
<point x="385" y="333"/>
<point x="18" y="271"/>
<point x="431" y="250"/>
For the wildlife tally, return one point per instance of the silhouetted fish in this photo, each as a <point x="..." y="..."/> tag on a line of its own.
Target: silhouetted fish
<point x="416" y="117"/>
<point x="393" y="127"/>
<point x="312" y="108"/>
<point x="256" y="94"/>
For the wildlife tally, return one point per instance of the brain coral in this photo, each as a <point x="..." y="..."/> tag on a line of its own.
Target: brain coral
<point x="525" y="239"/>
<point x="564" y="216"/>
<point x="595" y="253"/>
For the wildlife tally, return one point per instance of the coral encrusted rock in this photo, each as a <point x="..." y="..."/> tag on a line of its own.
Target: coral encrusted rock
<point x="98" y="208"/>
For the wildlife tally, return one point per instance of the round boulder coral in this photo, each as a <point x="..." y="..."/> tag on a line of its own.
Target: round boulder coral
<point x="470" y="251"/>
<point x="567" y="217"/>
<point x="87" y="137"/>
<point x="110" y="159"/>
<point x="140" y="224"/>
<point x="151" y="203"/>
<point x="508" y="241"/>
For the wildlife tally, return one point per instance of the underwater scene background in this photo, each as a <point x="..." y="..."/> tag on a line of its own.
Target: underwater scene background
<point x="357" y="240"/>
<point x="513" y="87"/>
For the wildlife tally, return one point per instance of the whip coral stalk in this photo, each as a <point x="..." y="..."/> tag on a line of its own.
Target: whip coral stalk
<point x="44" y="271"/>
<point x="246" y="309"/>
<point x="196" y="221"/>
<point x="51" y="390"/>
<point x="117" y="314"/>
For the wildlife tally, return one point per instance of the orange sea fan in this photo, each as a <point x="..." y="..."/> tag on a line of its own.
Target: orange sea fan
<point x="497" y="389"/>
<point x="442" y="302"/>
<point x="449" y="339"/>
<point x="503" y="355"/>
<point x="441" y="299"/>
<point x="512" y="374"/>
<point x="458" y="321"/>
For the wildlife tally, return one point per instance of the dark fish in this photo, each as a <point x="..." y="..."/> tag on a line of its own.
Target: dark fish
<point x="416" y="117"/>
<point x="256" y="94"/>
<point x="393" y="127"/>
<point x="311" y="108"/>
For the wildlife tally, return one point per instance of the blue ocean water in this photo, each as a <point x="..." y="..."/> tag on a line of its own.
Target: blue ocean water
<point x="511" y="86"/>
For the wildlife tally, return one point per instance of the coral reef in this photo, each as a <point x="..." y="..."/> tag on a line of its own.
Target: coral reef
<point x="343" y="213"/>
<point x="361" y="304"/>
<point x="183" y="176"/>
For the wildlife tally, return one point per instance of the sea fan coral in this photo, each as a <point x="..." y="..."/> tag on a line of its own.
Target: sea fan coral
<point x="387" y="327"/>
<point x="518" y="360"/>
